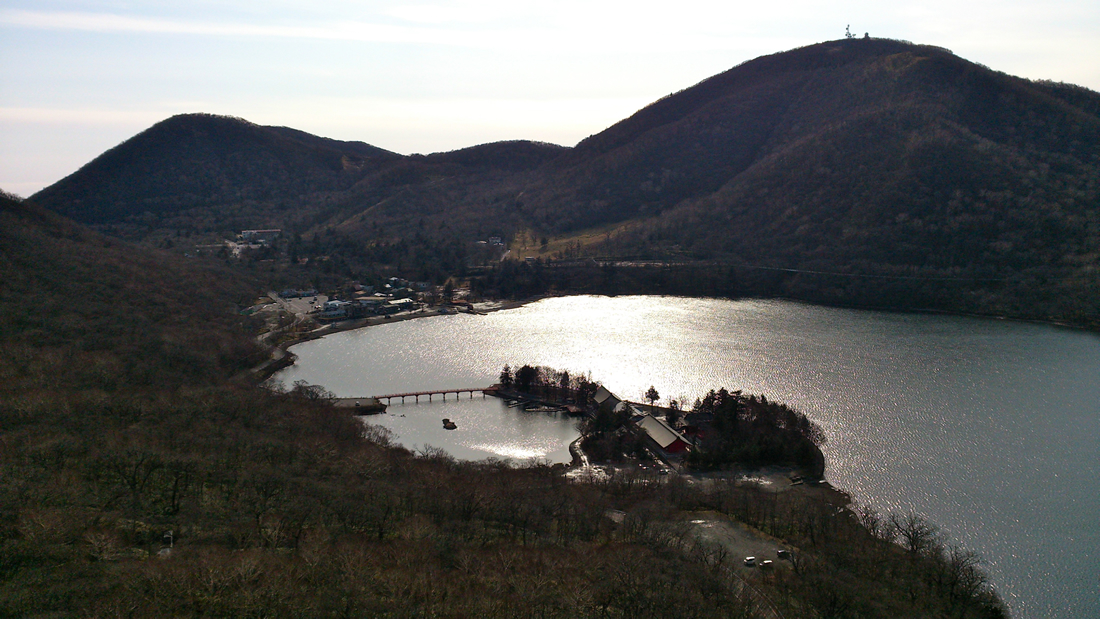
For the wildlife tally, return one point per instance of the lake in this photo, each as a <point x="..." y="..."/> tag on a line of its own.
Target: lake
<point x="990" y="428"/>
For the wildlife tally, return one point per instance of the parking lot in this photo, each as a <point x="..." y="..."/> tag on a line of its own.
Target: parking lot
<point x="739" y="541"/>
<point x="302" y="305"/>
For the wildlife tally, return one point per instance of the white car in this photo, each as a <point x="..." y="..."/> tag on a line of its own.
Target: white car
<point x="750" y="561"/>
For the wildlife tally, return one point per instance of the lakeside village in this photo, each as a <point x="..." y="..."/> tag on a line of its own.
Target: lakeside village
<point x="354" y="300"/>
<point x="397" y="296"/>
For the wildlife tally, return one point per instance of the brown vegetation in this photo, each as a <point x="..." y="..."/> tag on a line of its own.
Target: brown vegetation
<point x="136" y="480"/>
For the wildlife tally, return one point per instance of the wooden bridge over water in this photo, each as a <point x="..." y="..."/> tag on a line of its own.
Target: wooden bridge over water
<point x="440" y="392"/>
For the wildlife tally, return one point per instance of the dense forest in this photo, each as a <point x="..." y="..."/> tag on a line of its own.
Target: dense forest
<point x="750" y="430"/>
<point x="144" y="474"/>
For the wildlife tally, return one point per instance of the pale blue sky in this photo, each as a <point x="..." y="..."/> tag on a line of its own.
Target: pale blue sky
<point x="79" y="76"/>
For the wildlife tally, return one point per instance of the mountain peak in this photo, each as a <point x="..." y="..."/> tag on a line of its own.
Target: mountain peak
<point x="197" y="160"/>
<point x="755" y="73"/>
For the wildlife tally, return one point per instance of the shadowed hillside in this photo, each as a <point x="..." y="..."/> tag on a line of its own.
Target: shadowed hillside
<point x="83" y="311"/>
<point x="514" y="156"/>
<point x="138" y="480"/>
<point x="835" y="125"/>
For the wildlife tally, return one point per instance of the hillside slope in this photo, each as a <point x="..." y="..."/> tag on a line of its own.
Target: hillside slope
<point x="138" y="481"/>
<point x="843" y="121"/>
<point x="83" y="311"/>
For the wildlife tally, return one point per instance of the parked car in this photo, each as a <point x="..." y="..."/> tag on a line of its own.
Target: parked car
<point x="783" y="554"/>
<point x="750" y="561"/>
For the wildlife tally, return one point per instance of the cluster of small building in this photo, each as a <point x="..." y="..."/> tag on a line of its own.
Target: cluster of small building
<point x="398" y="284"/>
<point x="396" y="295"/>
<point x="662" y="435"/>
<point x="361" y="307"/>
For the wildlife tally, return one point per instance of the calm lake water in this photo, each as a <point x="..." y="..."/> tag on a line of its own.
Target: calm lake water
<point x="990" y="428"/>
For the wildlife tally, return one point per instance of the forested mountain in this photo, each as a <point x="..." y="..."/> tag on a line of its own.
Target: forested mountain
<point x="201" y="160"/>
<point x="898" y="168"/>
<point x="516" y="155"/>
<point x="86" y="313"/>
<point x="835" y="127"/>
<point x="860" y="171"/>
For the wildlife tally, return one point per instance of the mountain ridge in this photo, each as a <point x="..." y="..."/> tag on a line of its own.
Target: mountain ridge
<point x="860" y="156"/>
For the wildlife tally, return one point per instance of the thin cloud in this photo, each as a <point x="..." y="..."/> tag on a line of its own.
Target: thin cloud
<point x="590" y="38"/>
<point x="336" y="31"/>
<point x="82" y="116"/>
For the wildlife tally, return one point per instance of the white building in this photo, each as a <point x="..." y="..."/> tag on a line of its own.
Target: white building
<point x="615" y="404"/>
<point x="663" y="435"/>
<point x="335" y="309"/>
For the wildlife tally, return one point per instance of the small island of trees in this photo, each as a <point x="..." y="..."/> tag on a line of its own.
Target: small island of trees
<point x="723" y="429"/>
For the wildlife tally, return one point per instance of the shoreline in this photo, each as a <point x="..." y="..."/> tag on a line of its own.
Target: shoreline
<point x="280" y="357"/>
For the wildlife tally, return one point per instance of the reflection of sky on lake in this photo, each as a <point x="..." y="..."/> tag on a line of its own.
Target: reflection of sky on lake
<point x="989" y="427"/>
<point x="487" y="428"/>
